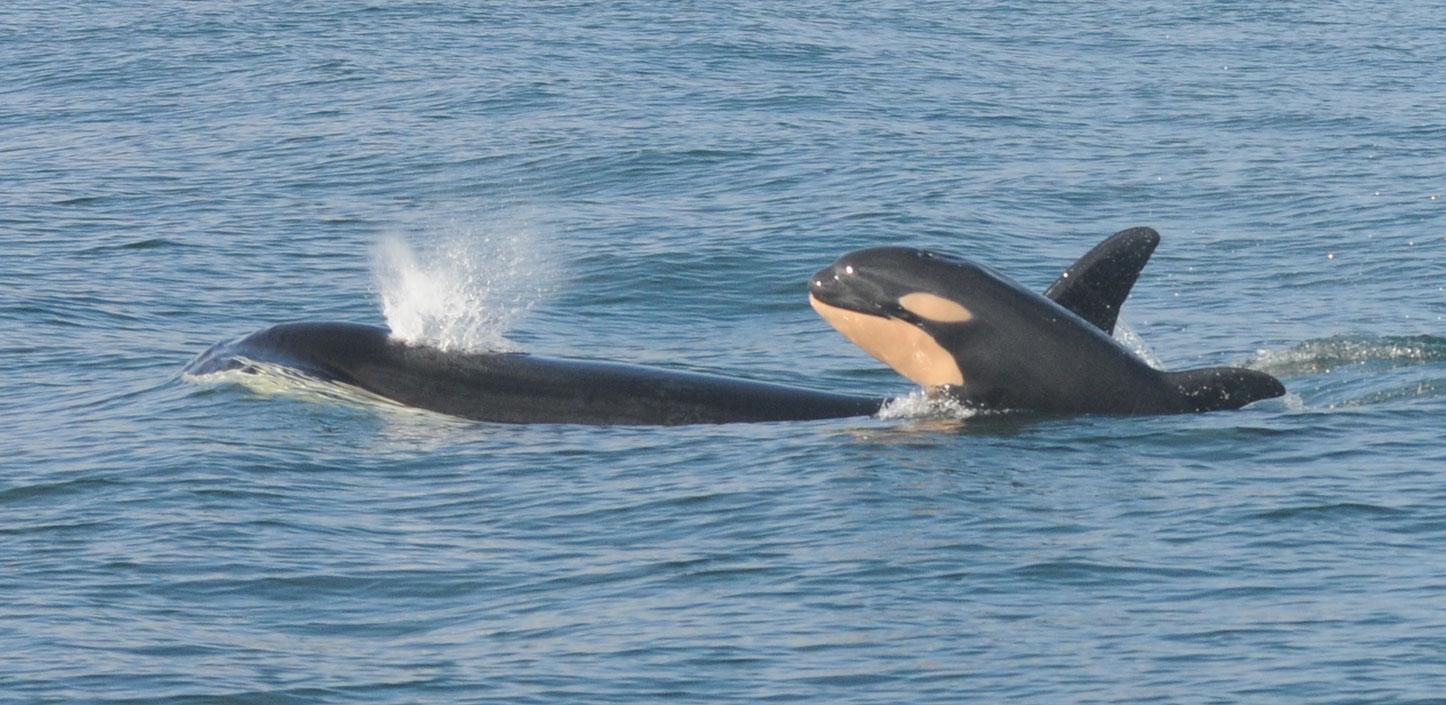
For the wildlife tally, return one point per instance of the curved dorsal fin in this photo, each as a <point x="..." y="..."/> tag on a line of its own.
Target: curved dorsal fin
<point x="1095" y="286"/>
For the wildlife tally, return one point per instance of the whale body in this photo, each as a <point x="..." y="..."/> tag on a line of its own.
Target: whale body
<point x="972" y="334"/>
<point x="513" y="387"/>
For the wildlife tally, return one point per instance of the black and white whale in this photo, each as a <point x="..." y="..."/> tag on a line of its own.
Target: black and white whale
<point x="962" y="330"/>
<point x="921" y="298"/>
<point x="510" y="387"/>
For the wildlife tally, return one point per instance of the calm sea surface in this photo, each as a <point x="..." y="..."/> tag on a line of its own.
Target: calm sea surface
<point x="653" y="183"/>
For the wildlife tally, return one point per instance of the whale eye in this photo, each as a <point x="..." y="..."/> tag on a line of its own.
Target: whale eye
<point x="932" y="307"/>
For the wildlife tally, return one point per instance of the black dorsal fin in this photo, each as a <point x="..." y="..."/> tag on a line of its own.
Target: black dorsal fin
<point x="1095" y="286"/>
<point x="1216" y="388"/>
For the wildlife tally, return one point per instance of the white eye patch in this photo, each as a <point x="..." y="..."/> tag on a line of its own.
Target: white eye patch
<point x="933" y="307"/>
<point x="902" y="346"/>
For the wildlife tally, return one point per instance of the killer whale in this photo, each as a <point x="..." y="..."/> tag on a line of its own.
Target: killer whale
<point x="511" y="387"/>
<point x="965" y="331"/>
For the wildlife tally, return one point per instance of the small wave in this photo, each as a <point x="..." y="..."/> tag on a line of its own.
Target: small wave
<point x="459" y="291"/>
<point x="155" y="243"/>
<point x="272" y="379"/>
<point x="1076" y="571"/>
<point x="77" y="201"/>
<point x="1328" y="511"/>
<point x="1351" y="372"/>
<point x="1327" y="354"/>
<point x="48" y="491"/>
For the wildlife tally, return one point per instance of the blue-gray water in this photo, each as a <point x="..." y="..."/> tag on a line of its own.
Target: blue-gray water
<point x="653" y="183"/>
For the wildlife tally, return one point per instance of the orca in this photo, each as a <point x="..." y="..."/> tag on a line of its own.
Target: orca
<point x="969" y="333"/>
<point x="509" y="387"/>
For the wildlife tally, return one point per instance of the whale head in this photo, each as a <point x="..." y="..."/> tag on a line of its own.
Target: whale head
<point x="900" y="305"/>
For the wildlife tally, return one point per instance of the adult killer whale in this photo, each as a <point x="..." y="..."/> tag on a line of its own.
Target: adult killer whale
<point x="523" y="388"/>
<point x="965" y="331"/>
<point x="518" y="387"/>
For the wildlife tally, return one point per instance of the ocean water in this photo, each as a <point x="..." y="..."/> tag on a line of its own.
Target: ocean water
<point x="653" y="183"/>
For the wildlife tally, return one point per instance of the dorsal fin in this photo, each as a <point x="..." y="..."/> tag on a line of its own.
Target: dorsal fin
<point x="1095" y="286"/>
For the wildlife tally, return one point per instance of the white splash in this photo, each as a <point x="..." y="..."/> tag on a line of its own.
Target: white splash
<point x="920" y="404"/>
<point x="459" y="291"/>
<point x="1127" y="337"/>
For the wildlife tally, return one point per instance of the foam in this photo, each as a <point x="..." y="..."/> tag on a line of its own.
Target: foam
<point x="920" y="404"/>
<point x="1126" y="336"/>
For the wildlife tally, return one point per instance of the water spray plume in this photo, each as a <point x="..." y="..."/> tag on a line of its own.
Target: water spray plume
<point x="457" y="293"/>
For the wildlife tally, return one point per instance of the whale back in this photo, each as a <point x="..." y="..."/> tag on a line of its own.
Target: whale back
<point x="512" y="387"/>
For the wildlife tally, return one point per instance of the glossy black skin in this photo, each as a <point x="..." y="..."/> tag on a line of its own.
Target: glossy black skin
<point x="522" y="388"/>
<point x="1023" y="351"/>
<point x="1097" y="284"/>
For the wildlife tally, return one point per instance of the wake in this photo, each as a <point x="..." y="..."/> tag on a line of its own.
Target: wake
<point x="1342" y="351"/>
<point x="1355" y="371"/>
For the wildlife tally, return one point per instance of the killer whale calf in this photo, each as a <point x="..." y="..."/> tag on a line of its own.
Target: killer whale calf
<point x="967" y="332"/>
<point x="869" y="295"/>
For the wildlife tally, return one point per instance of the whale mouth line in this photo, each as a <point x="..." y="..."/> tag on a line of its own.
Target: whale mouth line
<point x="899" y="344"/>
<point x="844" y="299"/>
